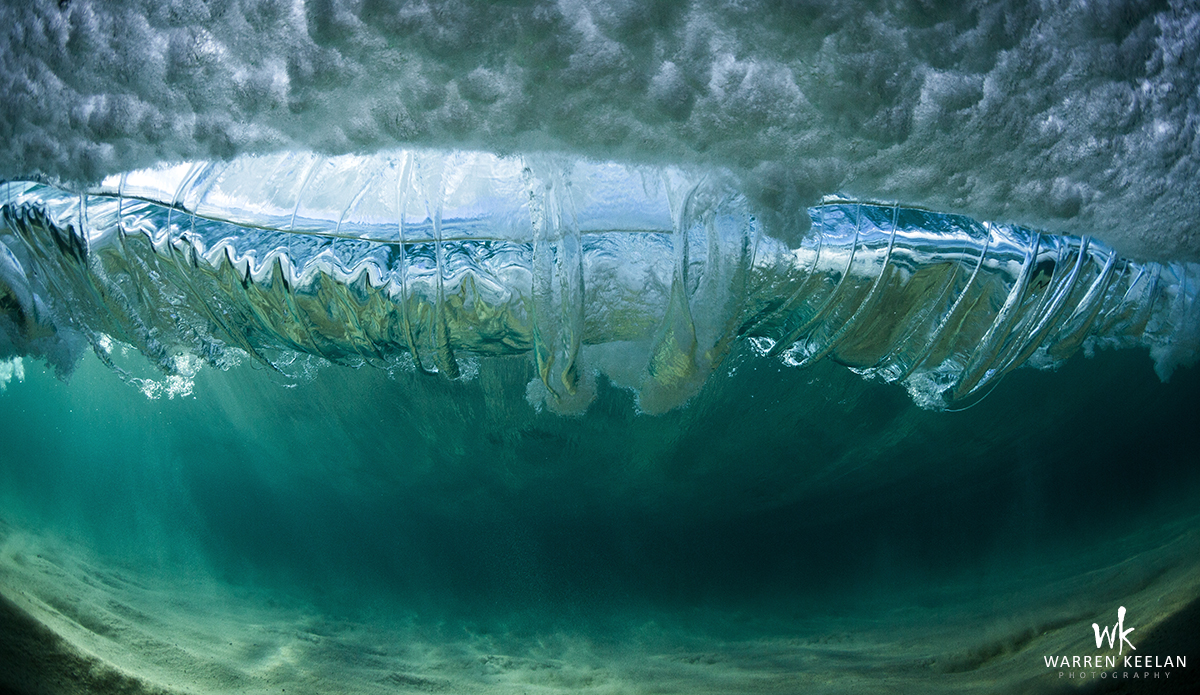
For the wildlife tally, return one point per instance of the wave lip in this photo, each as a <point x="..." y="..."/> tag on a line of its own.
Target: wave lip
<point x="949" y="305"/>
<point x="645" y="274"/>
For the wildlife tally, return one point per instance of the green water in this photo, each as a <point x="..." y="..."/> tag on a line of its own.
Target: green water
<point x="780" y="503"/>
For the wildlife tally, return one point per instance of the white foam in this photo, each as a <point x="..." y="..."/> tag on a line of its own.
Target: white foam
<point x="11" y="369"/>
<point x="1074" y="117"/>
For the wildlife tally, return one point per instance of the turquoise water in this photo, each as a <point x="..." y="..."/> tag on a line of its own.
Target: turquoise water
<point x="781" y="507"/>
<point x="600" y="409"/>
<point x="595" y="431"/>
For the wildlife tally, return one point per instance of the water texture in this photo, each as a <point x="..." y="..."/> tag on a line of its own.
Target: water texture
<point x="607" y="347"/>
<point x="646" y="275"/>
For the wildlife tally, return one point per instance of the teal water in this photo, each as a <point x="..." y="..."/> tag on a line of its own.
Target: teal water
<point x="612" y="485"/>
<point x="779" y="505"/>
<point x="595" y="431"/>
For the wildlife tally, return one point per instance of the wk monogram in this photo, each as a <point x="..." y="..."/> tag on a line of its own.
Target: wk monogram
<point x="1114" y="633"/>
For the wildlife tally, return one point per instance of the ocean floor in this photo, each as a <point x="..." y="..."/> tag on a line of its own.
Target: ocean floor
<point x="71" y="624"/>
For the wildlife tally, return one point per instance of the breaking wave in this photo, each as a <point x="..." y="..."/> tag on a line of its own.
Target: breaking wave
<point x="644" y="274"/>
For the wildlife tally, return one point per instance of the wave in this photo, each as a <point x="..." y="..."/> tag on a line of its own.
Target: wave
<point x="648" y="275"/>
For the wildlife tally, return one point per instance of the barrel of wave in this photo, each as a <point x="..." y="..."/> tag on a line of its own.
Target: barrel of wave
<point x="646" y="275"/>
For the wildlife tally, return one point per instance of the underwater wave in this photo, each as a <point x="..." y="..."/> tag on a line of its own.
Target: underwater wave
<point x="644" y="274"/>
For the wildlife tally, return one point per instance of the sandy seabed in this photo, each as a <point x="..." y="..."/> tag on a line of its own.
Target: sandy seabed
<point x="70" y="623"/>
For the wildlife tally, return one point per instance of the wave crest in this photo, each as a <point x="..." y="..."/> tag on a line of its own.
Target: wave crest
<point x="647" y="275"/>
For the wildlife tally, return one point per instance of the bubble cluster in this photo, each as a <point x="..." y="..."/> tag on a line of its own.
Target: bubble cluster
<point x="1074" y="117"/>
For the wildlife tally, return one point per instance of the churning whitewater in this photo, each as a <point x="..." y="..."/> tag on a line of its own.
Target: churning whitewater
<point x="643" y="274"/>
